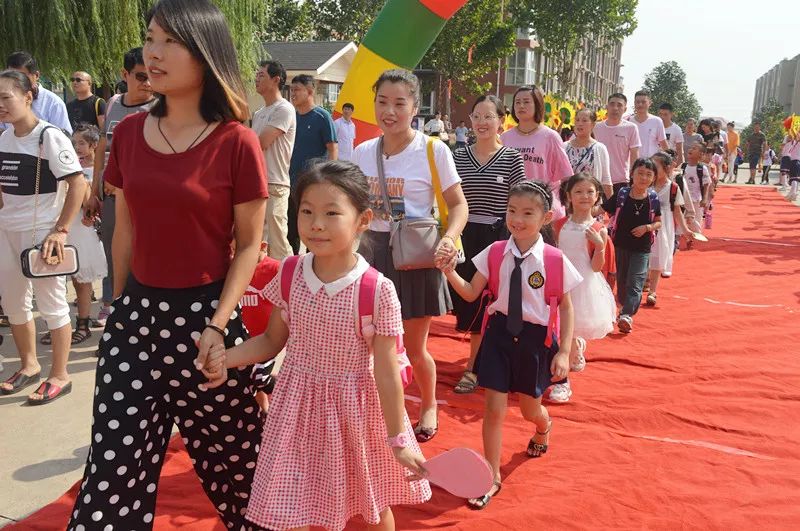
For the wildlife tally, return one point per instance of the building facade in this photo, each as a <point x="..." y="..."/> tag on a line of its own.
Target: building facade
<point x="781" y="82"/>
<point x="597" y="73"/>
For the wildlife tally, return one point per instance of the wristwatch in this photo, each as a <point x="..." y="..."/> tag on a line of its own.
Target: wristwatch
<point x="398" y="441"/>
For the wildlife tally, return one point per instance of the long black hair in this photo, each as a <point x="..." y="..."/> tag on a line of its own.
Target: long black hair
<point x="201" y="27"/>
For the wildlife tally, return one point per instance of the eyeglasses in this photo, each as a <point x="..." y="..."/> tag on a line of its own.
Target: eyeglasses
<point x="482" y="117"/>
<point x="76" y="79"/>
<point x="141" y="77"/>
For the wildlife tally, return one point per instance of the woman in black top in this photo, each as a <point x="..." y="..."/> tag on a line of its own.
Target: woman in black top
<point x="488" y="170"/>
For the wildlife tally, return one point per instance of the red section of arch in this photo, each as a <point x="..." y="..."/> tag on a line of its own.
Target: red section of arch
<point x="443" y="8"/>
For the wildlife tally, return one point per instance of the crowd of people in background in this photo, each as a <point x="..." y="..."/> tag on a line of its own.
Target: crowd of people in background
<point x="537" y="226"/>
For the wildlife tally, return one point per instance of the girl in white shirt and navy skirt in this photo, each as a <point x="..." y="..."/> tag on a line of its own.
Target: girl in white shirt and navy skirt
<point x="520" y="351"/>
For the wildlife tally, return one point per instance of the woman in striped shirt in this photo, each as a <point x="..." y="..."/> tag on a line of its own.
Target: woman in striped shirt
<point x="487" y="170"/>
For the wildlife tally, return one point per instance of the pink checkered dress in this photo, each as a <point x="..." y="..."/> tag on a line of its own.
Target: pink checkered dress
<point x="323" y="456"/>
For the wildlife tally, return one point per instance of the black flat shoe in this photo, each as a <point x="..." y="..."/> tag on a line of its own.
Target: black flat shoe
<point x="477" y="504"/>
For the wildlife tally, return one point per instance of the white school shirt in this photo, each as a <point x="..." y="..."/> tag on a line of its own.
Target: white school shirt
<point x="346" y="135"/>
<point x="674" y="136"/>
<point x="534" y="307"/>
<point x="408" y="178"/>
<point x="692" y="182"/>
<point x="651" y="132"/>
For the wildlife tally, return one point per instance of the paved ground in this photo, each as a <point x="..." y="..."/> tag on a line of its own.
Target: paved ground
<point x="44" y="448"/>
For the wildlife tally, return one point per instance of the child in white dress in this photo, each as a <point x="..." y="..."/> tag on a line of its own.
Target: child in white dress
<point x="583" y="241"/>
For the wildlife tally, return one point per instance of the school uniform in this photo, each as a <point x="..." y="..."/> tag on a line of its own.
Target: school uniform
<point x="514" y="358"/>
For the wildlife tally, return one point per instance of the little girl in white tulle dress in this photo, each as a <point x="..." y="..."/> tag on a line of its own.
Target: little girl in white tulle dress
<point x="583" y="241"/>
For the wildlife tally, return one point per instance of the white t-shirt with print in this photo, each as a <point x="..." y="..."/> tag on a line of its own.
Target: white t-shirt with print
<point x="408" y="178"/>
<point x="651" y="132"/>
<point x="692" y="181"/>
<point x="534" y="307"/>
<point x="18" y="177"/>
<point x="674" y="136"/>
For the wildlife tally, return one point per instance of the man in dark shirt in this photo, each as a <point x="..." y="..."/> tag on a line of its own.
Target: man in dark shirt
<point x="86" y="108"/>
<point x="315" y="139"/>
<point x="756" y="146"/>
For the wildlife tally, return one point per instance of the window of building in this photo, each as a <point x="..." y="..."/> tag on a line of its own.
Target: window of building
<point x="521" y="68"/>
<point x="329" y="93"/>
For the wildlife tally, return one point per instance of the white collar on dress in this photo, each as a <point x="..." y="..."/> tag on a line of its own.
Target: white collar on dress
<point x="331" y="288"/>
<point x="537" y="250"/>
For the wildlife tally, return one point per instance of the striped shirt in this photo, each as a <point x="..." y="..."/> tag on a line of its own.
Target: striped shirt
<point x="486" y="186"/>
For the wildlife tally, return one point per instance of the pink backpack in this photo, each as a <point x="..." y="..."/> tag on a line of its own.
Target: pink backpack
<point x="367" y="292"/>
<point x="553" y="282"/>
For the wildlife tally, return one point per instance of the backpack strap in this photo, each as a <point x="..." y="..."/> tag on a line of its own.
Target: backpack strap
<point x="557" y="226"/>
<point x="288" y="270"/>
<point x="553" y="287"/>
<point x="700" y="174"/>
<point x="622" y="196"/>
<point x="496" y="251"/>
<point x="673" y="194"/>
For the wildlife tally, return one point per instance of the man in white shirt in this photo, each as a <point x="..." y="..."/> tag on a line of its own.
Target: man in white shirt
<point x="436" y="126"/>
<point x="673" y="132"/>
<point x="46" y="105"/>
<point x="651" y="128"/>
<point x="345" y="132"/>
<point x="621" y="139"/>
<point x="276" y="124"/>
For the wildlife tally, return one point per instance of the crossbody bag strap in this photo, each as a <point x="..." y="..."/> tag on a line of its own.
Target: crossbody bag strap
<point x="387" y="204"/>
<point x="441" y="204"/>
<point x="38" y="181"/>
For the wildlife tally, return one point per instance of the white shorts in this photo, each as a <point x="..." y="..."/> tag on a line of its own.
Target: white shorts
<point x="17" y="290"/>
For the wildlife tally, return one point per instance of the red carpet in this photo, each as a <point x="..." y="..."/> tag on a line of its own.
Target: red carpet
<point x="691" y="422"/>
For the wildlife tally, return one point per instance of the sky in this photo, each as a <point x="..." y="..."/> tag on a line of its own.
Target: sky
<point x="723" y="46"/>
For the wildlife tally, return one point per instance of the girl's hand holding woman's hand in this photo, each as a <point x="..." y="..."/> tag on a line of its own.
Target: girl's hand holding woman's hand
<point x="594" y="236"/>
<point x="413" y="461"/>
<point x="211" y="357"/>
<point x="639" y="231"/>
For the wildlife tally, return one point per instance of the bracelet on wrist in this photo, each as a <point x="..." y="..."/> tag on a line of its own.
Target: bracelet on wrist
<point x="216" y="329"/>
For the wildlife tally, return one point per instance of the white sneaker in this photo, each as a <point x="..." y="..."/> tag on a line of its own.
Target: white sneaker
<point x="580" y="360"/>
<point x="561" y="392"/>
<point x="625" y="324"/>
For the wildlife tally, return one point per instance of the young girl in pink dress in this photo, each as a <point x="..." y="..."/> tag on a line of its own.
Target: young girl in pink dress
<point x="337" y="441"/>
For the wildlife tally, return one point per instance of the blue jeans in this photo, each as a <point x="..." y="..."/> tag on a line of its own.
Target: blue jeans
<point x="631" y="275"/>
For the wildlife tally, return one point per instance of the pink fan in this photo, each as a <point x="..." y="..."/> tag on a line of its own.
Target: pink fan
<point x="462" y="472"/>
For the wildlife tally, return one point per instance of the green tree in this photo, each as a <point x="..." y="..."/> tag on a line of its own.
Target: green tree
<point x="91" y="35"/>
<point x="289" y="20"/>
<point x="771" y="116"/>
<point x="562" y="25"/>
<point x="667" y="84"/>
<point x="344" y="20"/>
<point x="478" y="26"/>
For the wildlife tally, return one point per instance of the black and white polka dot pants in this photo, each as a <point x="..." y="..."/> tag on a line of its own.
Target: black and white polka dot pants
<point x="146" y="382"/>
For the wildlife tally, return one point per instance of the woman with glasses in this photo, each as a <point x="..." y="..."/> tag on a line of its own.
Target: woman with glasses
<point x="488" y="170"/>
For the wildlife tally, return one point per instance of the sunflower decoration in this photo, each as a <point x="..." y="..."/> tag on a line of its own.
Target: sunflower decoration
<point x="566" y="113"/>
<point x="792" y="125"/>
<point x="550" y="108"/>
<point x="602" y="114"/>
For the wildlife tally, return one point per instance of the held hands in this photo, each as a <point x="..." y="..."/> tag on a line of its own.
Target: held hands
<point x="560" y="366"/>
<point x="211" y="358"/>
<point x="446" y="254"/>
<point x="639" y="231"/>
<point x="53" y="245"/>
<point x="593" y="236"/>
<point x="109" y="189"/>
<point x="411" y="460"/>
<point x="93" y="206"/>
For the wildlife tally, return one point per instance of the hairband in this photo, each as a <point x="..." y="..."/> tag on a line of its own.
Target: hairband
<point x="541" y="189"/>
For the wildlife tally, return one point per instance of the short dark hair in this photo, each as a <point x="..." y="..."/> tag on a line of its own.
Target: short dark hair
<point x="618" y="96"/>
<point x="731" y="124"/>
<point x="22" y="59"/>
<point x="305" y="80"/>
<point x="348" y="106"/>
<point x="647" y="163"/>
<point x="499" y="107"/>
<point x="132" y="58"/>
<point x="578" y="178"/>
<point x="663" y="158"/>
<point x="665" y="107"/>
<point x="538" y="103"/>
<point x="591" y="113"/>
<point x="201" y="27"/>
<point x="642" y="92"/>
<point x="275" y="69"/>
<point x="398" y="75"/>
<point x="344" y="175"/>
<point x="756" y="122"/>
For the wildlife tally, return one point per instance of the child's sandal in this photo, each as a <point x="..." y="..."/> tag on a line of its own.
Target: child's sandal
<point x="536" y="449"/>
<point x="479" y="503"/>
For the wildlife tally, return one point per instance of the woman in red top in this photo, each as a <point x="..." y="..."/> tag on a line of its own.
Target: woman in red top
<point x="190" y="179"/>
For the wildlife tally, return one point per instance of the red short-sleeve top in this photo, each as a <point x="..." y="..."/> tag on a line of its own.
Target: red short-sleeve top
<point x="181" y="204"/>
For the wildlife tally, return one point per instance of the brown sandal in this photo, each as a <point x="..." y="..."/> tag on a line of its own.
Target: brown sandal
<point x="467" y="383"/>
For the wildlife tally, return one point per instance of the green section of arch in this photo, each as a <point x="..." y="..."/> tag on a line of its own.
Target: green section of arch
<point x="403" y="32"/>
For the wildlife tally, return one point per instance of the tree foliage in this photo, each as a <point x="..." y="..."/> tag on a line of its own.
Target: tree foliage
<point x="92" y="35"/>
<point x="667" y="84"/>
<point x="477" y="26"/>
<point x="289" y="20"/>
<point x="562" y="25"/>
<point x="771" y="116"/>
<point x="344" y="20"/>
